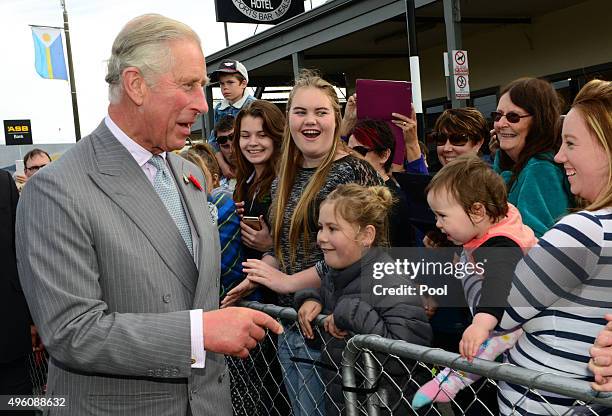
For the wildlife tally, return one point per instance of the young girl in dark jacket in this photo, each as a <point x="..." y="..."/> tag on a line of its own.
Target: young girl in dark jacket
<point x="352" y="229"/>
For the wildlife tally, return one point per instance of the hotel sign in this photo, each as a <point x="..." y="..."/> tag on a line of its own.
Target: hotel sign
<point x="257" y="11"/>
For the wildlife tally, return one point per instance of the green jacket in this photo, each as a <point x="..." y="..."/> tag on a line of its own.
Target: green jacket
<point x="540" y="192"/>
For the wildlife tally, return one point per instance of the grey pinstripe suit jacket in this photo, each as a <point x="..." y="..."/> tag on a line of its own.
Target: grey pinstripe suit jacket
<point x="109" y="282"/>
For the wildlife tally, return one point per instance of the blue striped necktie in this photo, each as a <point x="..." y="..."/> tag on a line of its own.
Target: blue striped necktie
<point x="166" y="189"/>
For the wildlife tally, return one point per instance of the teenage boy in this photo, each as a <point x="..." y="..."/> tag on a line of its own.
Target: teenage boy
<point x="233" y="79"/>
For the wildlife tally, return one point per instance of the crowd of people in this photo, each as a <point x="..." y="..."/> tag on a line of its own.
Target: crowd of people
<point x="132" y="249"/>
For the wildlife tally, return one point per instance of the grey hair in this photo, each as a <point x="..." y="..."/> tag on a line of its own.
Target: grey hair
<point x="144" y="43"/>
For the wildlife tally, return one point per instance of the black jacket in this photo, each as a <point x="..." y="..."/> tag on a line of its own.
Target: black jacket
<point x="348" y="295"/>
<point x="14" y="316"/>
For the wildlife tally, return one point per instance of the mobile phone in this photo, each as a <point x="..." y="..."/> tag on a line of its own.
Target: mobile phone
<point x="19" y="167"/>
<point x="252" y="222"/>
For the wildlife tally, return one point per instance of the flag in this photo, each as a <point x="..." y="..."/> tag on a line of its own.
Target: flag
<point x="49" y="53"/>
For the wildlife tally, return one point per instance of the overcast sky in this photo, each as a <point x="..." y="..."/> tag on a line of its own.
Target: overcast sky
<point x="93" y="26"/>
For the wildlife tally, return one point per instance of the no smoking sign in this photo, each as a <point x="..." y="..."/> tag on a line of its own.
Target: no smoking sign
<point x="462" y="87"/>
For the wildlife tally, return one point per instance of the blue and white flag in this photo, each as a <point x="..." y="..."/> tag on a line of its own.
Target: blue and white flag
<point x="49" y="53"/>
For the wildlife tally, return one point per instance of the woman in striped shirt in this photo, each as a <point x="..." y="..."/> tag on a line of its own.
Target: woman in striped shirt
<point x="563" y="287"/>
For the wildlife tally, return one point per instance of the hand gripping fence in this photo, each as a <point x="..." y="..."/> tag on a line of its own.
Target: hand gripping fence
<point x="375" y="376"/>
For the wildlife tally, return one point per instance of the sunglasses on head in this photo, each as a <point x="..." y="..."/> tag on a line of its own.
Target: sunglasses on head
<point x="362" y="150"/>
<point x="224" y="139"/>
<point x="440" y="138"/>
<point x="511" y="116"/>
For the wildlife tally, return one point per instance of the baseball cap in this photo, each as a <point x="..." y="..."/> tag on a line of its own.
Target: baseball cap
<point x="229" y="67"/>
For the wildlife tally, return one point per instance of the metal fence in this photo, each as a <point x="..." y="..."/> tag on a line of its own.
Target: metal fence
<point x="367" y="375"/>
<point x="38" y="371"/>
<point x="378" y="376"/>
<point x="378" y="352"/>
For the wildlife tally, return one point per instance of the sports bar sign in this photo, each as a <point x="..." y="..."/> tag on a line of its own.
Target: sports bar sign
<point x="257" y="11"/>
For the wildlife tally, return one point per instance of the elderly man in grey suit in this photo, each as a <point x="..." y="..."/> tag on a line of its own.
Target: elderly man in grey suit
<point x="121" y="265"/>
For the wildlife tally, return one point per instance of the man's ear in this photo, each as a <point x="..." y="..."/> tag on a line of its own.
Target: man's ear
<point x="478" y="212"/>
<point x="134" y="85"/>
<point x="368" y="235"/>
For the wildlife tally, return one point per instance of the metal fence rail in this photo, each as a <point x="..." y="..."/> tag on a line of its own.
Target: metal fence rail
<point x="587" y="401"/>
<point x="372" y="384"/>
<point x="375" y="376"/>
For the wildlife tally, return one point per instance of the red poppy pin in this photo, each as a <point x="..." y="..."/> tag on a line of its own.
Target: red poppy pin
<point x="193" y="180"/>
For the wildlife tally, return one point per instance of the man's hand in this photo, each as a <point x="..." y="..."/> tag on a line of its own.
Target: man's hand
<point x="332" y="329"/>
<point x="309" y="310"/>
<point x="242" y="290"/>
<point x="601" y="361"/>
<point x="37" y="345"/>
<point x="235" y="331"/>
<point x="260" y="240"/>
<point x="20" y="179"/>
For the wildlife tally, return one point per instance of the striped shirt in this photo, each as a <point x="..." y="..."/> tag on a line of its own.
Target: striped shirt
<point x="560" y="293"/>
<point x="223" y="212"/>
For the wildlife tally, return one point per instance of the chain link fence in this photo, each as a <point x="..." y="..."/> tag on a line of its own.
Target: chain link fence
<point x="378" y="376"/>
<point x="291" y="375"/>
<point x="38" y="371"/>
<point x="378" y="352"/>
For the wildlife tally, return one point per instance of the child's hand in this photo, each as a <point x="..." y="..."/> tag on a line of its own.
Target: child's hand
<point x="308" y="311"/>
<point x="332" y="329"/>
<point x="243" y="289"/>
<point x="430" y="305"/>
<point x="472" y="339"/>
<point x="260" y="272"/>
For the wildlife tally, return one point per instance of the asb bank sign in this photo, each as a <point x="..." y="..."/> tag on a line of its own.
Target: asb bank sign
<point x="257" y="11"/>
<point x="17" y="132"/>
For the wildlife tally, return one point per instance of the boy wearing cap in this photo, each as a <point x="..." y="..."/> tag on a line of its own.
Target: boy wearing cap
<point x="233" y="79"/>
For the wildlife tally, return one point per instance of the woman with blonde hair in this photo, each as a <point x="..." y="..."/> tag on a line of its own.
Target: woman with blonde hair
<point x="561" y="289"/>
<point x="314" y="162"/>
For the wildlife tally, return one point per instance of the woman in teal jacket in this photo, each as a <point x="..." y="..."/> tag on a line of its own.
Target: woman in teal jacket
<point x="527" y="125"/>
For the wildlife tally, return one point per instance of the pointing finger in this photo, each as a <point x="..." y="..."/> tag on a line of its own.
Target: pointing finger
<point x="266" y="321"/>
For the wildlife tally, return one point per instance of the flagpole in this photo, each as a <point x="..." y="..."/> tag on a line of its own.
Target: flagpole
<point x="75" y="107"/>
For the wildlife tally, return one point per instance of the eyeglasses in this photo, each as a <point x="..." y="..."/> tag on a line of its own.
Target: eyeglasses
<point x="224" y="139"/>
<point x="35" y="168"/>
<point x="511" y="116"/>
<point x="440" y="138"/>
<point x="362" y="150"/>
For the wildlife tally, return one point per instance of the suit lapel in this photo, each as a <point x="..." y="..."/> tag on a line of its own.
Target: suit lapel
<point x="123" y="181"/>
